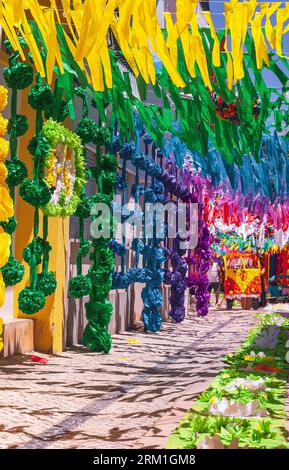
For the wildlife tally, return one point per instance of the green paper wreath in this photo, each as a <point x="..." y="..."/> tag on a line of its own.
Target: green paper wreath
<point x="62" y="169"/>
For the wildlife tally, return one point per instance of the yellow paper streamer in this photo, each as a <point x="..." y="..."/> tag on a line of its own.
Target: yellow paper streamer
<point x="259" y="41"/>
<point x="135" y="25"/>
<point x="228" y="12"/>
<point x="216" y="47"/>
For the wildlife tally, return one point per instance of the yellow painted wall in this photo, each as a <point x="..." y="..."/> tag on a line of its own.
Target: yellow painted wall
<point x="49" y="322"/>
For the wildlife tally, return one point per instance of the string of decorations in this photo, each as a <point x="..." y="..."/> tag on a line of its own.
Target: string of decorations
<point x="153" y="255"/>
<point x="37" y="192"/>
<point x="80" y="285"/>
<point x="18" y="76"/>
<point x="151" y="194"/>
<point x="199" y="258"/>
<point x="99" y="309"/>
<point x="97" y="283"/>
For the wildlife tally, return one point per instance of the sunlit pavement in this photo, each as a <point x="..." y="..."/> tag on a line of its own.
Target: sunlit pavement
<point x="132" y="398"/>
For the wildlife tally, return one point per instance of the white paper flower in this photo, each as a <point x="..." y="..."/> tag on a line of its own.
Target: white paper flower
<point x="231" y="408"/>
<point x="248" y="384"/>
<point x="260" y="354"/>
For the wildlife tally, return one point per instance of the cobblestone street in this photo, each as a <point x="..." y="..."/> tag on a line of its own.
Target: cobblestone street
<point x="132" y="398"/>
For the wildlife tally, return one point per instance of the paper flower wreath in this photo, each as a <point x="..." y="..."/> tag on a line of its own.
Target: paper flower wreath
<point x="63" y="169"/>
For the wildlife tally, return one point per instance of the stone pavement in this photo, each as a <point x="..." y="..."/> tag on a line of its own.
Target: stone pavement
<point x="132" y="398"/>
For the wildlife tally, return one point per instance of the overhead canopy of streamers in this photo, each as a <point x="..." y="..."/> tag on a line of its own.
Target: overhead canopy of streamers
<point x="67" y="38"/>
<point x="233" y="120"/>
<point x="134" y="26"/>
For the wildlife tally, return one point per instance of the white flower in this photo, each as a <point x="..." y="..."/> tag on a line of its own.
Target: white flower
<point x="225" y="407"/>
<point x="248" y="384"/>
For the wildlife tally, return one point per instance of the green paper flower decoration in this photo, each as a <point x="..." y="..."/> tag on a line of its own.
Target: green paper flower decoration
<point x="79" y="286"/>
<point x="62" y="169"/>
<point x="19" y="126"/>
<point x="17" y="172"/>
<point x="34" y="248"/>
<point x="96" y="337"/>
<point x="19" y="75"/>
<point x="40" y="96"/>
<point x="10" y="225"/>
<point x="84" y="248"/>
<point x="62" y="113"/>
<point x="109" y="162"/>
<point x="31" y="301"/>
<point x="87" y="130"/>
<point x="12" y="272"/>
<point x="100" y="310"/>
<point x="37" y="195"/>
<point x="38" y="145"/>
<point x="46" y="283"/>
<point x="84" y="207"/>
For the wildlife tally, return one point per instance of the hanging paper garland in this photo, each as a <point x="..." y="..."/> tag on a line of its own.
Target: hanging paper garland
<point x="98" y="309"/>
<point x="151" y="293"/>
<point x="18" y="75"/>
<point x="177" y="278"/>
<point x="97" y="283"/>
<point x="36" y="193"/>
<point x="200" y="258"/>
<point x="196" y="125"/>
<point x="153" y="255"/>
<point x="88" y="132"/>
<point x="56" y="151"/>
<point x="6" y="202"/>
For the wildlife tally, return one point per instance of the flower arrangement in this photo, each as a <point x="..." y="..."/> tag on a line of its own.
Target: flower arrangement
<point x="62" y="169"/>
<point x="241" y="408"/>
